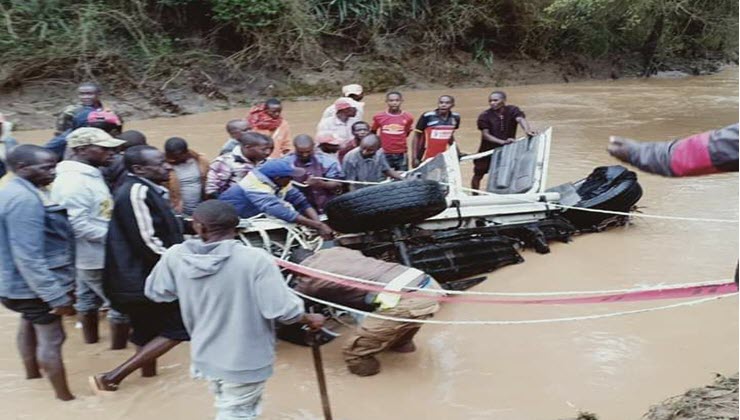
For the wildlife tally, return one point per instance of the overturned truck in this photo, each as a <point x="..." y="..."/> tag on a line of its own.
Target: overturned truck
<point x="433" y="223"/>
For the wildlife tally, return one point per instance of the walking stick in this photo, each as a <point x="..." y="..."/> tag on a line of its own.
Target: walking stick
<point x="319" y="365"/>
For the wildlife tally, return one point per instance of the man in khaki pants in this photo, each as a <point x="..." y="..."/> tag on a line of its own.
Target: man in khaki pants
<point x="373" y="335"/>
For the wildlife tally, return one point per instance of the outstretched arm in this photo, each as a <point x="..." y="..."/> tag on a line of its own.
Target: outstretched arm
<point x="699" y="154"/>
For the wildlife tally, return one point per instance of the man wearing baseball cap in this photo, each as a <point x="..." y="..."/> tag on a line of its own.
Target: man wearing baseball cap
<point x="268" y="190"/>
<point x="353" y="93"/>
<point x="340" y="124"/>
<point x="81" y="189"/>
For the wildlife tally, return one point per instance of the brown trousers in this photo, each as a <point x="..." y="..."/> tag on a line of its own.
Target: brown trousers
<point x="376" y="335"/>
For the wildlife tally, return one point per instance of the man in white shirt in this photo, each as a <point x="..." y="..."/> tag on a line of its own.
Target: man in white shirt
<point x="339" y="125"/>
<point x="81" y="189"/>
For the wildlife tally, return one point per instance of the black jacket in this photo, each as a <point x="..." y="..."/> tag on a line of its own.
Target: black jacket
<point x="142" y="227"/>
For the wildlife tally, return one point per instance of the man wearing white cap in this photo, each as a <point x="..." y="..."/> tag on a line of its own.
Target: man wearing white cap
<point x="81" y="189"/>
<point x="353" y="94"/>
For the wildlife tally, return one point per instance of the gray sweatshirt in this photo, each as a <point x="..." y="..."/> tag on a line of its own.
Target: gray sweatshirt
<point x="230" y="296"/>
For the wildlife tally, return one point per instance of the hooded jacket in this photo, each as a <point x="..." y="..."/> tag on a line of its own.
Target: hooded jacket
<point x="230" y="297"/>
<point x="81" y="189"/>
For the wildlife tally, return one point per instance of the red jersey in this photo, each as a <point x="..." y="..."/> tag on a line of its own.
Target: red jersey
<point x="437" y="133"/>
<point x="393" y="130"/>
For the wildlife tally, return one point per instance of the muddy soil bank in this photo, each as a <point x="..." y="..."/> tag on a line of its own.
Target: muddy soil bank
<point x="188" y="90"/>
<point x="718" y="401"/>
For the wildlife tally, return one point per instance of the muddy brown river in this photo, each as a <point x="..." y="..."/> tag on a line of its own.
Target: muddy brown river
<point x="614" y="367"/>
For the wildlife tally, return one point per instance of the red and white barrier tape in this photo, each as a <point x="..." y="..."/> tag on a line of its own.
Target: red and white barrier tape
<point x="678" y="292"/>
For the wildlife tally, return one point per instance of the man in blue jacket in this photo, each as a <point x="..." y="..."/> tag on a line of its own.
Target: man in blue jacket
<point x="268" y="190"/>
<point x="37" y="264"/>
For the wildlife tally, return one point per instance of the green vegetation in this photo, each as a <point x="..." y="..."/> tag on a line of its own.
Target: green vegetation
<point x="141" y="40"/>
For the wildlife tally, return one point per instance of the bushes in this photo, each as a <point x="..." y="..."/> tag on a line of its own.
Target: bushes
<point x="144" y="39"/>
<point x="664" y="28"/>
<point x="76" y="39"/>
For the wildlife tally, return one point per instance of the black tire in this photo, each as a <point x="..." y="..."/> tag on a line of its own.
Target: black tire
<point x="612" y="188"/>
<point x="448" y="261"/>
<point x="386" y="205"/>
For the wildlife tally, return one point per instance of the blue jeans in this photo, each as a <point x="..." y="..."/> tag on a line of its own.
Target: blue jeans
<point x="90" y="296"/>
<point x="397" y="161"/>
<point x="237" y="401"/>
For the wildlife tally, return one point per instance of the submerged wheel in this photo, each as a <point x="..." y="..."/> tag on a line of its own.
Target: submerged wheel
<point x="386" y="205"/>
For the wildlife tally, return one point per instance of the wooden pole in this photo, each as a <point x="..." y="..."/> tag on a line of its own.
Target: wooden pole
<point x="319" y="365"/>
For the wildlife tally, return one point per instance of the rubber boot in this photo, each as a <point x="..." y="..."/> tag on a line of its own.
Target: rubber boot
<point x="89" y="321"/>
<point x="149" y="369"/>
<point x="118" y="335"/>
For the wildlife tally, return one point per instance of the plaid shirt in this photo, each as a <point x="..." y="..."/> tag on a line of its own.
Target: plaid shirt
<point x="226" y="170"/>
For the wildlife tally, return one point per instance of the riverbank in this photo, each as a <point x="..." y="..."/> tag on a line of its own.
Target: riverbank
<point x="190" y="90"/>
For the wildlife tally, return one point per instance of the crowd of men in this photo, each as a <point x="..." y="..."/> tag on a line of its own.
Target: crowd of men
<point x="92" y="222"/>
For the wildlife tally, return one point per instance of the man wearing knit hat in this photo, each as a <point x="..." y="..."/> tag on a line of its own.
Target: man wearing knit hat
<point x="268" y="190"/>
<point x="81" y="189"/>
<point x="354" y="94"/>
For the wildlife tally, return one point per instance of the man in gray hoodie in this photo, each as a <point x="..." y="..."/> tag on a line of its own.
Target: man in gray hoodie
<point x="230" y="297"/>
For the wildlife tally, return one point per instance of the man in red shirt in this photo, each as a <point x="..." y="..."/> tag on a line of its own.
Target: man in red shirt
<point x="498" y="128"/>
<point x="360" y="130"/>
<point x="393" y="127"/>
<point x="435" y="131"/>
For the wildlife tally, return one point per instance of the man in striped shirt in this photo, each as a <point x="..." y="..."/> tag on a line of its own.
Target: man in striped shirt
<point x="141" y="229"/>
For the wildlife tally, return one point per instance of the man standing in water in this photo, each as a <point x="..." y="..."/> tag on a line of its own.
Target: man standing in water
<point x="316" y="164"/>
<point x="74" y="116"/>
<point x="228" y="169"/>
<point x="37" y="267"/>
<point x="143" y="226"/>
<point x="81" y="189"/>
<point x="360" y="130"/>
<point x="231" y="296"/>
<point x="393" y="127"/>
<point x="267" y="119"/>
<point x="498" y="128"/>
<point x="435" y="131"/>
<point x="339" y="125"/>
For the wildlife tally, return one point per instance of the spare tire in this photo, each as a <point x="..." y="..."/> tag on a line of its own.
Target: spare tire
<point x="386" y="205"/>
<point x="613" y="188"/>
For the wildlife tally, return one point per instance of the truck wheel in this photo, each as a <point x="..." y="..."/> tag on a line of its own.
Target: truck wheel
<point x="386" y="205"/>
